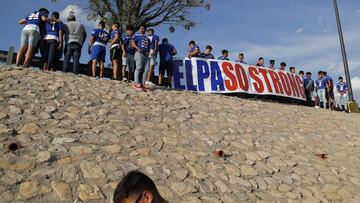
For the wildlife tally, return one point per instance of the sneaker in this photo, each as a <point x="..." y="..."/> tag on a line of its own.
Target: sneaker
<point x="317" y="107"/>
<point x="124" y="79"/>
<point x="138" y="87"/>
<point x="150" y="84"/>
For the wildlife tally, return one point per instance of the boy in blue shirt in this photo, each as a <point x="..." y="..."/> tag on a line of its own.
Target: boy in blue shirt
<point x="320" y="85"/>
<point x="329" y="90"/>
<point x="30" y="35"/>
<point x="309" y="88"/>
<point x="342" y="89"/>
<point x="225" y="55"/>
<point x="207" y="54"/>
<point x="115" y="49"/>
<point x="154" y="48"/>
<point x="53" y="42"/>
<point x="128" y="54"/>
<point x="167" y="51"/>
<point x="97" y="48"/>
<point x="141" y="44"/>
<point x="194" y="50"/>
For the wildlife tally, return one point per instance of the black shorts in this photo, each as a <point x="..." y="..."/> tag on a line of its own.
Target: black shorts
<point x="115" y="53"/>
<point x="166" y="66"/>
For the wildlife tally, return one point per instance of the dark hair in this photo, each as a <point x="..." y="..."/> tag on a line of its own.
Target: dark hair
<point x="102" y="23"/>
<point x="241" y="54"/>
<point x="151" y="30"/>
<point x="164" y="40"/>
<point x="261" y="58"/>
<point x="283" y="64"/>
<point x="272" y="61"/>
<point x="320" y="72"/>
<point x="133" y="184"/>
<point x="224" y="51"/>
<point x="192" y="42"/>
<point x="208" y="47"/>
<point x="292" y="68"/>
<point x="301" y="72"/>
<point x="117" y="24"/>
<point x="341" y="78"/>
<point x="308" y="73"/>
<point x="324" y="72"/>
<point x="142" y="25"/>
<point x="130" y="27"/>
<point x="43" y="10"/>
<point x="56" y="15"/>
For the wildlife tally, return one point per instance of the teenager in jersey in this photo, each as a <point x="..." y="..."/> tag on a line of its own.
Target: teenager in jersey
<point x="115" y="49"/>
<point x="154" y="48"/>
<point x="97" y="47"/>
<point x="342" y="88"/>
<point x="53" y="42"/>
<point x="128" y="53"/>
<point x="30" y="35"/>
<point x="141" y="43"/>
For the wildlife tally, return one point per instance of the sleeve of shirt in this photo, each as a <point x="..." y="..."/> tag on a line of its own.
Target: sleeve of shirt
<point x="94" y="33"/>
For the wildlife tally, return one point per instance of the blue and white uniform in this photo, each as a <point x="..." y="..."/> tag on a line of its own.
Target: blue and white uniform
<point x="192" y="49"/>
<point x="130" y="52"/>
<point x="153" y="52"/>
<point x="99" y="47"/>
<point x="52" y="30"/>
<point x="321" y="89"/>
<point x="115" y="49"/>
<point x="141" y="58"/>
<point x="34" y="21"/>
<point x="342" y="90"/>
<point x="113" y="35"/>
<point x="30" y="34"/>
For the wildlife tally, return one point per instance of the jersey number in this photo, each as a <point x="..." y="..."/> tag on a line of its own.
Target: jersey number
<point x="34" y="16"/>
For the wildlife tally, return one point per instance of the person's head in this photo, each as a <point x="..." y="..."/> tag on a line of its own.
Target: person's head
<point x="324" y="73"/>
<point x="320" y="74"/>
<point x="292" y="69"/>
<point x="142" y="29"/>
<point x="301" y="73"/>
<point x="101" y="25"/>
<point x="241" y="56"/>
<point x="308" y="74"/>
<point x="191" y="43"/>
<point x="208" y="49"/>
<point x="71" y="16"/>
<point x="130" y="30"/>
<point x="150" y="32"/>
<point x="165" y="41"/>
<point x="341" y="79"/>
<point x="261" y="61"/>
<point x="272" y="62"/>
<point x="225" y="53"/>
<point x="44" y="11"/>
<point x="55" y="15"/>
<point x="115" y="26"/>
<point x="282" y="65"/>
<point x="136" y="187"/>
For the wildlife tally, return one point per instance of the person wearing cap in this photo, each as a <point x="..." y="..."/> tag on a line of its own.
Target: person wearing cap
<point x="282" y="66"/>
<point x="272" y="64"/>
<point x="75" y="36"/>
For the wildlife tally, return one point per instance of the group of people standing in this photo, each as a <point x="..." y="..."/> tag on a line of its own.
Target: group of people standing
<point x="136" y="51"/>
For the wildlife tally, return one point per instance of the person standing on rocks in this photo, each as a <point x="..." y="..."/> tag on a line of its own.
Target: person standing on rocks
<point x="342" y="89"/>
<point x="137" y="187"/>
<point x="75" y="36"/>
<point x="30" y="35"/>
<point x="154" y="48"/>
<point x="97" y="48"/>
<point x="320" y="89"/>
<point x="53" y="43"/>
<point x="309" y="88"/>
<point x="128" y="53"/>
<point x="115" y="49"/>
<point x="167" y="51"/>
<point x="141" y="44"/>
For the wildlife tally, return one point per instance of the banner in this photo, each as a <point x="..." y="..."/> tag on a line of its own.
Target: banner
<point x="218" y="76"/>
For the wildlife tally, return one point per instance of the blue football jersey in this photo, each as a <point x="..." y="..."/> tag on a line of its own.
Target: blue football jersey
<point x="34" y="21"/>
<point x="143" y="43"/>
<point x="52" y="30"/>
<point x="153" y="40"/>
<point x="113" y="35"/>
<point x="127" y="43"/>
<point x="101" y="36"/>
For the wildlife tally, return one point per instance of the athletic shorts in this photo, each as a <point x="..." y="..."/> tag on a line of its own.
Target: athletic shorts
<point x="115" y="53"/>
<point x="98" y="53"/>
<point x="166" y="66"/>
<point x="129" y="62"/>
<point x="152" y="58"/>
<point x="29" y="38"/>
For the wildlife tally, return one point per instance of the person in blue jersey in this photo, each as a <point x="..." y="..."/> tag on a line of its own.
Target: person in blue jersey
<point x="141" y="43"/>
<point x="207" y="54"/>
<point x="240" y="59"/>
<point x="330" y="97"/>
<point x="30" y="35"/>
<point x="53" y="43"/>
<point x="154" y="49"/>
<point x="128" y="54"/>
<point x="115" y="49"/>
<point x="342" y="89"/>
<point x="261" y="62"/>
<point x="167" y="51"/>
<point x="320" y="86"/>
<point x="309" y="88"/>
<point x="225" y="55"/>
<point x="97" y="48"/>
<point x="194" y="50"/>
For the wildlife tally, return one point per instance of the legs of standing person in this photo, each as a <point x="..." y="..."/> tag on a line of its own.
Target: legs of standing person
<point x="67" y="57"/>
<point x="138" y="69"/>
<point x="52" y="53"/>
<point x="322" y="97"/>
<point x="123" y="71"/>
<point x="93" y="67"/>
<point x="24" y="43"/>
<point x="114" y="57"/>
<point x="161" y="73"/>
<point x="115" y="64"/>
<point x="152" y="61"/>
<point x="46" y="54"/>
<point x="101" y="69"/>
<point x="131" y="64"/>
<point x="169" y="72"/>
<point x="145" y="64"/>
<point x="33" y="41"/>
<point x="76" y="57"/>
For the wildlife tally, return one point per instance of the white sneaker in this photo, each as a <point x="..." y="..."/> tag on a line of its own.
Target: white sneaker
<point x="317" y="107"/>
<point x="124" y="79"/>
<point x="150" y="84"/>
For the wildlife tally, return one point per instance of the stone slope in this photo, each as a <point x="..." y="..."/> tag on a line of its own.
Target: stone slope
<point x="79" y="136"/>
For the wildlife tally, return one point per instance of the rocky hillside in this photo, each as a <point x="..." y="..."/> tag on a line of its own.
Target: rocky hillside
<point x="78" y="136"/>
